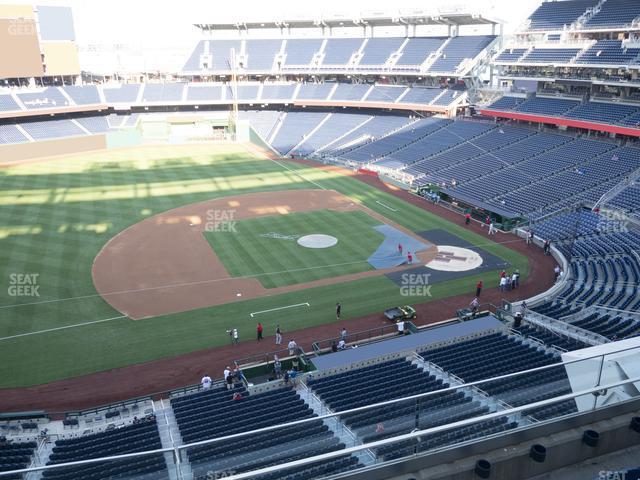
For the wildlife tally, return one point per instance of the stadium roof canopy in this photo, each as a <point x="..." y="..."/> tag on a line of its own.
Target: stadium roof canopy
<point x="416" y="17"/>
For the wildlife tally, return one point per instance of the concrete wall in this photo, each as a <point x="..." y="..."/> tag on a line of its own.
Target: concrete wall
<point x="10" y="154"/>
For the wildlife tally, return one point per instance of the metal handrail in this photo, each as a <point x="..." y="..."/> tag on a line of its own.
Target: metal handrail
<point x="346" y="451"/>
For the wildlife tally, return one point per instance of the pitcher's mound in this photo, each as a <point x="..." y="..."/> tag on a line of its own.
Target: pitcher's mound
<point x="317" y="240"/>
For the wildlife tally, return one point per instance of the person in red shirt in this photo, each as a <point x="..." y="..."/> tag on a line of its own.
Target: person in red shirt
<point x="503" y="274"/>
<point x="410" y="257"/>
<point x="478" y="288"/>
<point x="259" y="330"/>
<point x="467" y="218"/>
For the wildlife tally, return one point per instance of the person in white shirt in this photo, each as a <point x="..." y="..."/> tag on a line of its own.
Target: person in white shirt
<point x="292" y="347"/>
<point x="227" y="372"/>
<point x="514" y="280"/>
<point x="206" y="382"/>
<point x="400" y="326"/>
<point x="341" y="345"/>
<point x="557" y="271"/>
<point x="503" y="284"/>
<point x="234" y="335"/>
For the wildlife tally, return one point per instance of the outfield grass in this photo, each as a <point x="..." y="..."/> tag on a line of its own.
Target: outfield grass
<point x="56" y="216"/>
<point x="277" y="262"/>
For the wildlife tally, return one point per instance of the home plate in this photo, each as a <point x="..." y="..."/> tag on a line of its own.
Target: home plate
<point x="317" y="240"/>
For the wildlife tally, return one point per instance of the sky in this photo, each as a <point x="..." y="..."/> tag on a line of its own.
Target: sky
<point x="160" y="32"/>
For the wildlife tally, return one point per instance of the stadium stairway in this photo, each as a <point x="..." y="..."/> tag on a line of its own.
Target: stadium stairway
<point x="170" y="437"/>
<point x="337" y="426"/>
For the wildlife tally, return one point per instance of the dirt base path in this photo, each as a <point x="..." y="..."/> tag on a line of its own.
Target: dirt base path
<point x="143" y="379"/>
<point x="165" y="265"/>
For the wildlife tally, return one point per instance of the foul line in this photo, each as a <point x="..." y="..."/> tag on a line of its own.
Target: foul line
<point x="177" y="285"/>
<point x="62" y="328"/>
<point x="280" y="308"/>
<point x="295" y="172"/>
<point x="386" y="206"/>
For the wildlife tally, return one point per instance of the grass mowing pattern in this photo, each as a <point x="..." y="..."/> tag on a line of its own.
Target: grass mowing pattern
<point x="276" y="262"/>
<point x="56" y="216"/>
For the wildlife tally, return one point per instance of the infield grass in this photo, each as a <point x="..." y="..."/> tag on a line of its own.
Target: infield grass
<point x="252" y="250"/>
<point x="55" y="216"/>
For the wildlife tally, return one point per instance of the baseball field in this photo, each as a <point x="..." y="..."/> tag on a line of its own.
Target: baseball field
<point x="115" y="258"/>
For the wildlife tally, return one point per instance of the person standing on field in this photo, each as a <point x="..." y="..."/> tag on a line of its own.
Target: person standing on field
<point x="278" y="335"/>
<point x="259" y="331"/>
<point x="478" y="288"/>
<point x="338" y="310"/>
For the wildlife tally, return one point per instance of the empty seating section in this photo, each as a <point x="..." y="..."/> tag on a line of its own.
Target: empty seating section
<point x="469" y="160"/>
<point x="551" y="338"/>
<point x="300" y="51"/>
<point x="49" y="97"/>
<point x="139" y="437"/>
<point x="262" y="121"/>
<point x="392" y="380"/>
<point x="94" y="124"/>
<point x="52" y="129"/>
<point x="593" y="111"/>
<point x="193" y="62"/>
<point x="221" y="52"/>
<point x="15" y="456"/>
<point x="614" y="13"/>
<point x="315" y="91"/>
<point x="338" y="51"/>
<point x="421" y="95"/>
<point x="125" y="93"/>
<point x="511" y="54"/>
<point x="556" y="15"/>
<point x="387" y="94"/>
<point x="498" y="354"/>
<point x="261" y="54"/>
<point x="10" y="134"/>
<point x="8" y="104"/>
<point x="628" y="200"/>
<point x="163" y="92"/>
<point x="243" y="92"/>
<point x="457" y="50"/>
<point x="404" y="139"/>
<point x="214" y="413"/>
<point x="378" y="50"/>
<point x="346" y="91"/>
<point x="602" y="112"/>
<point x="377" y="127"/>
<point x="83" y="95"/>
<point x="604" y="272"/>
<point x="159" y="92"/>
<point x="204" y="93"/>
<point x="446" y="136"/>
<point x="447" y="96"/>
<point x="547" y="106"/>
<point x="278" y="92"/>
<point x="294" y="127"/>
<point x="336" y="125"/>
<point x="506" y="103"/>
<point x="417" y="50"/>
<point x="550" y="55"/>
<point x="609" y="52"/>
